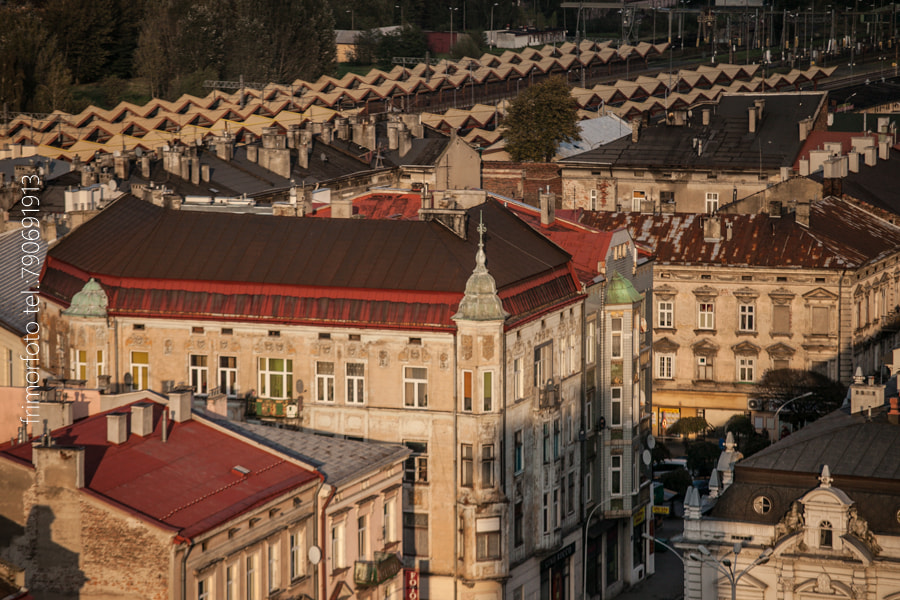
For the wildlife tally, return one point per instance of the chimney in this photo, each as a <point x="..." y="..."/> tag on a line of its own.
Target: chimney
<point x="865" y="395"/>
<point x="871" y="156"/>
<point x="760" y="105"/>
<point x="204" y="173"/>
<point x="253" y="153"/>
<point x="180" y="404"/>
<point x="728" y="227"/>
<point x="48" y="230"/>
<point x="341" y="208"/>
<point x="804" y="167"/>
<point x="343" y="129"/>
<point x="804" y="126"/>
<point x="327" y="132"/>
<point x="122" y="167"/>
<point x="884" y="150"/>
<point x="853" y="158"/>
<point x="751" y="112"/>
<point x="706" y="113"/>
<point x="548" y="206"/>
<point x="293" y="136"/>
<point x="404" y="143"/>
<point x="303" y="155"/>
<point x="393" y="135"/>
<point x="712" y="229"/>
<point x="145" y="167"/>
<point x="185" y="167"/>
<point x="58" y="466"/>
<point x="801" y="213"/>
<point x="195" y="170"/>
<point x="224" y="146"/>
<point x="142" y="419"/>
<point x="894" y="413"/>
<point x="635" y="130"/>
<point x="117" y="428"/>
<point x="785" y="173"/>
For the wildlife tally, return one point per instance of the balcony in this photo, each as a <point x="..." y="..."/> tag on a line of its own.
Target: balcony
<point x="367" y="573"/>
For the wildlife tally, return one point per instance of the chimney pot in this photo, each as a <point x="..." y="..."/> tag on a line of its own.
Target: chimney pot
<point x="548" y="208"/>
<point x="751" y="113"/>
<point x="117" y="428"/>
<point x="142" y="419"/>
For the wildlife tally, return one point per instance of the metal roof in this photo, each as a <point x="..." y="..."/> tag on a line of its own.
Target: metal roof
<point x="186" y="482"/>
<point x="13" y="281"/>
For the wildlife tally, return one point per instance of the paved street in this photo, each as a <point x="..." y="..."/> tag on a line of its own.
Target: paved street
<point x="668" y="581"/>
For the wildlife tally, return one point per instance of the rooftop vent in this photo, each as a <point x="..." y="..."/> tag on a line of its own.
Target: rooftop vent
<point x="239" y="470"/>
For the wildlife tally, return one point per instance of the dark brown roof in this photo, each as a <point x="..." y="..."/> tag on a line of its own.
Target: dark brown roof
<point x="726" y="142"/>
<point x="840" y="235"/>
<point x="151" y="260"/>
<point x="860" y="453"/>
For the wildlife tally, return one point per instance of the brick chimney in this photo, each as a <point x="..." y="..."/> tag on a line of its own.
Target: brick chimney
<point x="801" y="213"/>
<point x="635" y="130"/>
<point x="58" y="466"/>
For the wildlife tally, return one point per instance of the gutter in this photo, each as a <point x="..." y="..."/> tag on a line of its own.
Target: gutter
<point x="179" y="539"/>
<point x="324" y="507"/>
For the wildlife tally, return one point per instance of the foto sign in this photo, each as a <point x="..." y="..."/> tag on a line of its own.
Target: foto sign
<point x="410" y="584"/>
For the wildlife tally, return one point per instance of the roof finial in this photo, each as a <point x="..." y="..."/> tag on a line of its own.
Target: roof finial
<point x="826" y="477"/>
<point x="479" y="257"/>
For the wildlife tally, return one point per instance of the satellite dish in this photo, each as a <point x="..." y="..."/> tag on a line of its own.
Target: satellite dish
<point x="651" y="442"/>
<point x="646" y="456"/>
<point x="112" y="185"/>
<point x="315" y="555"/>
<point x="138" y="151"/>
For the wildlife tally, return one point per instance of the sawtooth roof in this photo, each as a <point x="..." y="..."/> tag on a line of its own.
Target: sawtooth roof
<point x="840" y="235"/>
<point x="365" y="272"/>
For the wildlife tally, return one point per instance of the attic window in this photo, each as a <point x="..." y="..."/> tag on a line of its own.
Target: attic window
<point x="324" y="336"/>
<point x="196" y="330"/>
<point x="746" y="277"/>
<point x="233" y="532"/>
<point x="781" y="279"/>
<point x="138" y="327"/>
<point x="820" y="280"/>
<point x="762" y="505"/>
<point x="825" y="531"/>
<point x="355" y="337"/>
<point x="415" y="341"/>
<point x="274" y="333"/>
<point x="706" y="277"/>
<point x="228" y="331"/>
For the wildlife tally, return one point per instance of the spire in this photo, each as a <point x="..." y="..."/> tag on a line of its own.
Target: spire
<point x="826" y="477"/>
<point x="480" y="302"/>
<point x="714" y="484"/>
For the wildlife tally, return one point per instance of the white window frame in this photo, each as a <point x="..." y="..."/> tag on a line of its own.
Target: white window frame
<point x="79" y="364"/>
<point x="297" y="542"/>
<point x="615" y="346"/>
<point x="205" y="588"/>
<point x="140" y="371"/>
<point x="268" y="374"/>
<point x="488" y="539"/>
<point x="665" y="366"/>
<point x="356" y="383"/>
<point x="273" y="574"/>
<point x="746" y="369"/>
<point x="615" y="475"/>
<point x="199" y="371"/>
<point x="232" y="575"/>
<point x="637" y="196"/>
<point x="747" y="317"/>
<point x="595" y="204"/>
<point x="543" y="364"/>
<point x="615" y="399"/>
<point x="706" y="315"/>
<point x="415" y="469"/>
<point x="712" y="202"/>
<point x="665" y="314"/>
<point x="572" y="353"/>
<point x="588" y="486"/>
<point x="100" y="367"/>
<point x="518" y="379"/>
<point x="251" y="577"/>
<point x="415" y="389"/>
<point x="324" y="381"/>
<point x="487" y="391"/>
<point x="227" y="375"/>
<point x="590" y="343"/>
<point x="338" y="557"/>
<point x="362" y="536"/>
<point x="389" y="518"/>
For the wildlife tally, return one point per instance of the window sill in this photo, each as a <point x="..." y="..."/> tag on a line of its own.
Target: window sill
<point x="742" y="333"/>
<point x="705" y="332"/>
<point x="339" y="571"/>
<point x="664" y="329"/>
<point x="299" y="580"/>
<point x="783" y="334"/>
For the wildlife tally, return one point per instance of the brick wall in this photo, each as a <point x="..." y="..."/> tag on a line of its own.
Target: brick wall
<point x="521" y="181"/>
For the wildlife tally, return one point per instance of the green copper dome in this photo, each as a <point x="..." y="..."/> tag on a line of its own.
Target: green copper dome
<point x="480" y="302"/>
<point x="620" y="291"/>
<point x="91" y="301"/>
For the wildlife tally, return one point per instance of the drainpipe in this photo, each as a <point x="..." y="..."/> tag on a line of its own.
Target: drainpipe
<point x="324" y="556"/>
<point x="184" y="557"/>
<point x="315" y="572"/>
<point x="116" y="352"/>
<point x="840" y="321"/>
<point x="455" y="470"/>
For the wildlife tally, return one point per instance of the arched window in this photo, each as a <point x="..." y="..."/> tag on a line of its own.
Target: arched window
<point x="825" y="534"/>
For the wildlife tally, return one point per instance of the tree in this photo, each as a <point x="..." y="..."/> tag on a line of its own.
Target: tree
<point x="702" y="457"/>
<point x="539" y="120"/>
<point x="746" y="437"/>
<point x="779" y="386"/>
<point x="689" y="426"/>
<point x="408" y="41"/>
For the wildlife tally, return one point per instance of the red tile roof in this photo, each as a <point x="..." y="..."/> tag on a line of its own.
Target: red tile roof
<point x="382" y="205"/>
<point x="360" y="272"/>
<point x="186" y="483"/>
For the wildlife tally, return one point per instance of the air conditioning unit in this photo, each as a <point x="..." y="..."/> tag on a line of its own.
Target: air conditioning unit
<point x="754" y="404"/>
<point x="290" y="411"/>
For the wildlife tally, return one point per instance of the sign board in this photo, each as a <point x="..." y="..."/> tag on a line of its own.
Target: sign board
<point x="410" y="584"/>
<point x="639" y="516"/>
<point x="660" y="510"/>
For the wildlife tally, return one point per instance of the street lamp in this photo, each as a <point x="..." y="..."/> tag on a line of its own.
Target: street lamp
<point x="352" y="21"/>
<point x="492" y="23"/>
<point x="584" y="547"/>
<point x="400" y="6"/>
<point x="451" y="25"/>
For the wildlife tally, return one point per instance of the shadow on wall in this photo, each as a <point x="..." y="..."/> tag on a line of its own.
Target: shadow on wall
<point x="52" y="571"/>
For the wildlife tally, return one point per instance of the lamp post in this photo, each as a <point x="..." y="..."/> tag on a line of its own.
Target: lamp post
<point x="780" y="408"/>
<point x="451" y="25"/>
<point x="725" y="565"/>
<point x="492" y="23"/>
<point x="584" y="538"/>
<point x="400" y="6"/>
<point x="352" y="20"/>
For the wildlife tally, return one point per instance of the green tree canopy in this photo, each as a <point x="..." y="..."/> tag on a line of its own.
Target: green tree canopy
<point x="688" y="426"/>
<point x="539" y="120"/>
<point x="408" y="41"/>
<point x="777" y="387"/>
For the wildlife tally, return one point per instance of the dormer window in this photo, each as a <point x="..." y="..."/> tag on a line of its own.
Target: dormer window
<point x="825" y="534"/>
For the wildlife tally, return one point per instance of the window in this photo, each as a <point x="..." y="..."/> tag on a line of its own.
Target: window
<point x="590" y="342"/>
<point x="324" y="381"/>
<point x="545" y="514"/>
<point x="570" y="506"/>
<point x="228" y="375"/>
<point x="80" y="365"/>
<point x="487" y="390"/>
<point x="487" y="466"/>
<point x="615" y="476"/>
<point x="615" y="419"/>
<point x="762" y="505"/>
<point x="781" y="318"/>
<point x="387" y="523"/>
<point x="337" y="546"/>
<point x="636" y="198"/>
<point x="666" y="197"/>
<point x="415" y="386"/>
<point x="825" y="534"/>
<point x="298" y="555"/>
<point x="467" y="391"/>
<point x="588" y="490"/>
<point x="101" y="364"/>
<point x="615" y="324"/>
<point x="356" y="383"/>
<point x="231" y="575"/>
<point x="556" y="438"/>
<point x="276" y="378"/>
<point x="821" y="320"/>
<point x="547" y="448"/>
<point x="712" y="202"/>
<point x="747" y="317"/>
<point x="140" y="370"/>
<point x="204" y="589"/>
<point x="467" y="465"/>
<point x="595" y="205"/>
<point x="746" y="366"/>
<point x="518" y="379"/>
<point x="704" y="368"/>
<point x="665" y="314"/>
<point x="572" y="354"/>
<point x="543" y="364"/>
<point x="781" y="363"/>
<point x="589" y="415"/>
<point x="415" y="534"/>
<point x="557" y="512"/>
<point x="706" y="316"/>
<point x="519" y="451"/>
<point x="362" y="540"/>
<point x="487" y="538"/>
<point x="665" y="364"/>
<point x="199" y="374"/>
<point x="251" y="581"/>
<point x="416" y="466"/>
<point x="518" y="528"/>
<point x="273" y="572"/>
